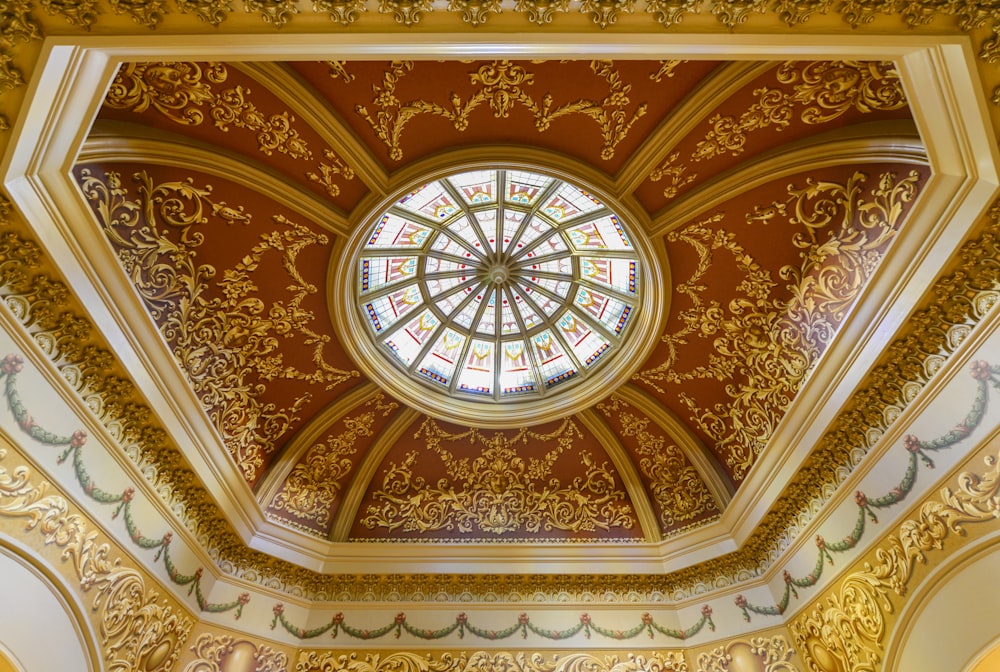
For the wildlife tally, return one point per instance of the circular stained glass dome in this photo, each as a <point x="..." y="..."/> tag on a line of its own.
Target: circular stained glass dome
<point x="493" y="291"/>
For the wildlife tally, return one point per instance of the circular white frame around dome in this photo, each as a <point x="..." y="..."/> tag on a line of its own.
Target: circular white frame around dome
<point x="498" y="296"/>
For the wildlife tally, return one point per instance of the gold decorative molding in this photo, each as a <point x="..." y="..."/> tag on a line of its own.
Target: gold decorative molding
<point x="766" y="654"/>
<point x="605" y="12"/>
<point x="220" y="653"/>
<point x="344" y="12"/>
<point x="541" y="12"/>
<point x="406" y="12"/>
<point x="671" y="12"/>
<point x="498" y="492"/>
<point x="475" y="12"/>
<point x="502" y="86"/>
<point x="147" y="13"/>
<point x="136" y="628"/>
<point x="847" y="627"/>
<point x="660" y="661"/>
<point x="275" y="12"/>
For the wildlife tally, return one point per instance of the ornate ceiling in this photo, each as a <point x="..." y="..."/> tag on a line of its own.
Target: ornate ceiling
<point x="233" y="195"/>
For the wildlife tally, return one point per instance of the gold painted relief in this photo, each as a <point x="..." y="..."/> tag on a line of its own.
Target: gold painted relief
<point x="228" y="345"/>
<point x="773" y="341"/>
<point x="766" y="654"/>
<point x="824" y="90"/>
<point x="311" y="489"/>
<point x="179" y="91"/>
<point x="222" y="653"/>
<point x="675" y="485"/>
<point x="502" y="85"/>
<point x="499" y="491"/>
<point x="846" y="630"/>
<point x="136" y="628"/>
<point x="660" y="661"/>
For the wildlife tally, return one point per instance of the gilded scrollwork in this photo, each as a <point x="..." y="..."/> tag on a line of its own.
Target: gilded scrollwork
<point x="605" y="12"/>
<point x="147" y="13"/>
<point x="677" y="175"/>
<point x="10" y="76"/>
<point x="670" y="12"/>
<point x="794" y="12"/>
<point x="502" y="85"/>
<point x="475" y="12"/>
<point x="661" y="661"/>
<point x="828" y="89"/>
<point x="498" y="492"/>
<point x="273" y="133"/>
<point x="541" y="12"/>
<point x="344" y="12"/>
<point x="767" y="654"/>
<point x="328" y="173"/>
<point x="406" y="12"/>
<point x="312" y="487"/>
<point x="175" y="90"/>
<point x="676" y="487"/>
<point x="133" y="623"/>
<point x="213" y="651"/>
<point x="17" y="24"/>
<point x="846" y="630"/>
<point x="156" y="238"/>
<point x="79" y="13"/>
<point x="735" y="12"/>
<point x="728" y="134"/>
<point x="212" y="12"/>
<point x="772" y="341"/>
<point x="275" y="12"/>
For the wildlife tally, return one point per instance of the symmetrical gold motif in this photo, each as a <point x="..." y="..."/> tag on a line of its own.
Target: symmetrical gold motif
<point x="10" y="77"/>
<point x="676" y="486"/>
<point x="541" y="12"/>
<point x="212" y="12"/>
<point x="227" y="345"/>
<point x="310" y="490"/>
<point x="16" y="24"/>
<point x="344" y="12"/>
<point x="729" y="134"/>
<point x="605" y="12"/>
<point x="735" y="12"/>
<point x="79" y="13"/>
<point x="175" y="90"/>
<point x="767" y="654"/>
<point x="831" y="88"/>
<point x="774" y="341"/>
<point x="669" y="12"/>
<point x="147" y="13"/>
<point x="314" y="661"/>
<point x="475" y="11"/>
<point x="406" y="12"/>
<point x="846" y="630"/>
<point x="275" y="12"/>
<point x="133" y="623"/>
<point x="502" y="87"/>
<point x="498" y="492"/>
<point x="794" y="12"/>
<point x="667" y="70"/>
<point x="213" y="651"/>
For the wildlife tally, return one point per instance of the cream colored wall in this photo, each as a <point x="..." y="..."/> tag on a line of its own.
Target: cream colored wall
<point x="39" y="629"/>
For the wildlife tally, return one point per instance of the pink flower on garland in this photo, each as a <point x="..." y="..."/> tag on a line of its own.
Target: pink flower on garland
<point x="786" y="576"/>
<point x="400" y="618"/>
<point x="128" y="494"/>
<point x="78" y="439"/>
<point x="860" y="498"/>
<point x="338" y="618"/>
<point x="820" y="542"/>
<point x="585" y="619"/>
<point x="243" y="599"/>
<point x="980" y="370"/>
<point x="278" y="609"/>
<point x="522" y="618"/>
<point x="911" y="443"/>
<point x="740" y="601"/>
<point x="167" y="538"/>
<point x="706" y="611"/>
<point x="647" y="619"/>
<point x="197" y="574"/>
<point x="462" y="618"/>
<point x="12" y="364"/>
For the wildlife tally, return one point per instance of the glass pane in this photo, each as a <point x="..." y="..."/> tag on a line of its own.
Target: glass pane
<point x="618" y="274"/>
<point x="477" y="187"/>
<point x="439" y="364"/>
<point x="587" y="344"/>
<point x="431" y="201"/>
<point x="385" y="311"/>
<point x="477" y="374"/>
<point x="407" y="342"/>
<point x="379" y="272"/>
<point x="601" y="234"/>
<point x="569" y="202"/>
<point x="516" y="374"/>
<point x="395" y="231"/>
<point x="612" y="312"/>
<point x="524" y="188"/>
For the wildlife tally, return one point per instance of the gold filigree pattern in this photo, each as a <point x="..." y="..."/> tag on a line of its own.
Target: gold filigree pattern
<point x="175" y="90"/>
<point x="673" y="172"/>
<point x="831" y="88"/>
<point x="328" y="173"/>
<point x="212" y="12"/>
<point x="228" y="345"/>
<point x="16" y="23"/>
<point x="275" y="12"/>
<point x="273" y="133"/>
<point x="475" y="12"/>
<point x="794" y="12"/>
<point x="10" y="76"/>
<point x="541" y="12"/>
<point x="774" y="342"/>
<point x="147" y="13"/>
<point x="667" y="70"/>
<point x="213" y="651"/>
<point x="729" y="134"/>
<point x="406" y="12"/>
<point x="735" y="12"/>
<point x="311" y="489"/>
<point x="498" y="492"/>
<point x="846" y="629"/>
<point x="605" y="12"/>
<point x="772" y="654"/>
<point x="131" y="619"/>
<point x="79" y="13"/>
<point x="344" y="12"/>
<point x="670" y="12"/>
<point x="676" y="486"/>
<point x="660" y="661"/>
<point x="503" y="85"/>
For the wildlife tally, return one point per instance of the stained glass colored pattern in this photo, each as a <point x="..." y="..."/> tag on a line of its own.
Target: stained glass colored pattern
<point x="497" y="284"/>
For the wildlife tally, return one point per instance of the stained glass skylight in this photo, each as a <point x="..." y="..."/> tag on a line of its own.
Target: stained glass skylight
<point x="497" y="285"/>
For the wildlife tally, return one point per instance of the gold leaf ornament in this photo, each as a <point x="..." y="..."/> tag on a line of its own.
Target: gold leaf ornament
<point x="175" y="90"/>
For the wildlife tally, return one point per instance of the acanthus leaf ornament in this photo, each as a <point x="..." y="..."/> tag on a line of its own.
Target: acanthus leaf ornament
<point x="605" y="12"/>
<point x="794" y="12"/>
<point x="475" y="12"/>
<point x="540" y="12"/>
<point x="79" y="13"/>
<point x="275" y="12"/>
<point x="671" y="12"/>
<point x="175" y="90"/>
<point x="147" y="13"/>
<point x="17" y="24"/>
<point x="212" y="652"/>
<point x="406" y="12"/>
<point x="732" y="13"/>
<point x="212" y="12"/>
<point x="344" y="12"/>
